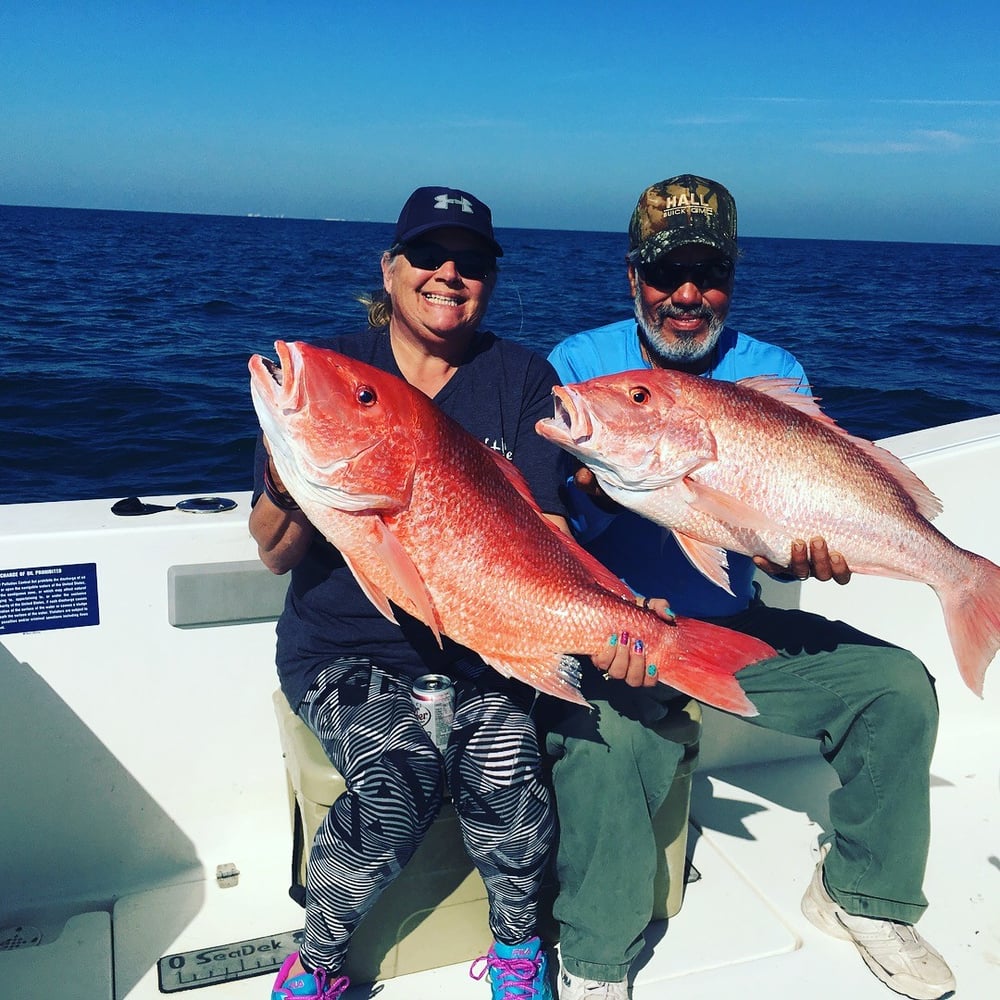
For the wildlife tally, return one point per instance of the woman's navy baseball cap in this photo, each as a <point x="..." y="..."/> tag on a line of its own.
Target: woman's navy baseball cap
<point x="431" y="208"/>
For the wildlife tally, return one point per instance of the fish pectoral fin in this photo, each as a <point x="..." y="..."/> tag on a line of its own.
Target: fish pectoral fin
<point x="711" y="561"/>
<point x="373" y="593"/>
<point x="729" y="509"/>
<point x="407" y="576"/>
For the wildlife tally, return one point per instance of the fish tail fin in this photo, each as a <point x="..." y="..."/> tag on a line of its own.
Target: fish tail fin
<point x="705" y="658"/>
<point x="972" y="618"/>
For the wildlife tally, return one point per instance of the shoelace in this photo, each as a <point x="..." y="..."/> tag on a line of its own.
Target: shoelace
<point x="886" y="933"/>
<point x="331" y="989"/>
<point x="513" y="974"/>
<point x="328" y="989"/>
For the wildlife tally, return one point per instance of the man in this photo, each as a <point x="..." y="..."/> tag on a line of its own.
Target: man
<point x="829" y="681"/>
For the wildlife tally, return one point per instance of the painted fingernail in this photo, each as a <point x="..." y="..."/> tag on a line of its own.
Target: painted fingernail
<point x="651" y="670"/>
<point x="623" y="638"/>
<point x="613" y="640"/>
<point x="638" y="645"/>
<point x="668" y="612"/>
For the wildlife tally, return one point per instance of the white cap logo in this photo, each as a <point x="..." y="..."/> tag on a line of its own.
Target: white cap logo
<point x="442" y="201"/>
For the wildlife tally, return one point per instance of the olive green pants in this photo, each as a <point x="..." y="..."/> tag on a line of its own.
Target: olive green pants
<point x="871" y="706"/>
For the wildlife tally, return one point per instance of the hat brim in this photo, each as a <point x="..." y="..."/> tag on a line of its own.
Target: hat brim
<point x="660" y="244"/>
<point x="429" y="227"/>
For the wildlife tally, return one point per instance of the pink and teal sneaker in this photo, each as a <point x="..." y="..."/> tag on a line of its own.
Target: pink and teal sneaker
<point x="307" y="985"/>
<point x="516" y="971"/>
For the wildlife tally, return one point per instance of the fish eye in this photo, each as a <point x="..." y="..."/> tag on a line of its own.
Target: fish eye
<point x="365" y="395"/>
<point x="639" y="394"/>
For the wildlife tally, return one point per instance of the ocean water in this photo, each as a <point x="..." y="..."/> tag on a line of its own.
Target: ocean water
<point x="126" y="335"/>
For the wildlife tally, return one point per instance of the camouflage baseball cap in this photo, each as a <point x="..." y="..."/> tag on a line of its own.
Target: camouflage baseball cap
<point x="681" y="210"/>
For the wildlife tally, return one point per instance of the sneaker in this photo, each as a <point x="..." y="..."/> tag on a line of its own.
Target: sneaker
<point x="517" y="972"/>
<point x="574" y="988"/>
<point x="895" y="952"/>
<point x="307" y="985"/>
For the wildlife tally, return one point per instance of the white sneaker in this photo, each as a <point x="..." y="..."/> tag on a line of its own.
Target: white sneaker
<point x="895" y="952"/>
<point x="574" y="988"/>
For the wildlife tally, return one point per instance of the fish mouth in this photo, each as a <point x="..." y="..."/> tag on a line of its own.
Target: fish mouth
<point x="280" y="399"/>
<point x="279" y="381"/>
<point x="273" y="369"/>
<point x="571" y="421"/>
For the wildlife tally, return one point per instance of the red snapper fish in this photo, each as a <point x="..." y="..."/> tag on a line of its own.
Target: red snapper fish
<point x="437" y="523"/>
<point x="750" y="466"/>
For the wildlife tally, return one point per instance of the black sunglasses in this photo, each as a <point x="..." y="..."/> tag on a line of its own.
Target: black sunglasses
<point x="668" y="275"/>
<point x="474" y="264"/>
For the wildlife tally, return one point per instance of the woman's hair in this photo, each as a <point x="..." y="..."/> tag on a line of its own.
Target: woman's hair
<point x="379" y="307"/>
<point x="378" y="303"/>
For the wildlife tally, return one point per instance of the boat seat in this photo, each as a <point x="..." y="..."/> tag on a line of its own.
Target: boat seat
<point x="436" y="913"/>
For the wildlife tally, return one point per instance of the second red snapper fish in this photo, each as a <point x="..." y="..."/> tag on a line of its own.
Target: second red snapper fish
<point x="437" y="523"/>
<point x="751" y="466"/>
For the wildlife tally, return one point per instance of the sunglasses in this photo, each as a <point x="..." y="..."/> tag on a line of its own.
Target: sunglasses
<point x="667" y="275"/>
<point x="476" y="265"/>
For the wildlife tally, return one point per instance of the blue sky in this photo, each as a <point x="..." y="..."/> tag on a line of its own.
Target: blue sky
<point x="875" y="120"/>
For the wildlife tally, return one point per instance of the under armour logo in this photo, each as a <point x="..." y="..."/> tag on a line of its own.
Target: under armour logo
<point x="442" y="201"/>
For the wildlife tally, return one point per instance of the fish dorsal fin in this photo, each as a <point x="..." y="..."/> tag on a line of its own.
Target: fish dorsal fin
<point x="784" y="390"/>
<point x="513" y="475"/>
<point x="928" y="505"/>
<point x="710" y="560"/>
<point x="778" y="386"/>
<point x="597" y="569"/>
<point x="407" y="576"/>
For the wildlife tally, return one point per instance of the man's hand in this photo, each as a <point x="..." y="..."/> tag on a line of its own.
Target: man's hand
<point x="808" y="560"/>
<point x="586" y="482"/>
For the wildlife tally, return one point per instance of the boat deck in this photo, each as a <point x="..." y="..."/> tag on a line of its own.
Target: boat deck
<point x="740" y="929"/>
<point x="141" y="753"/>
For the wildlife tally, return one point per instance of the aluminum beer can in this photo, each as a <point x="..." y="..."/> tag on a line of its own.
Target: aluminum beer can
<point x="434" y="701"/>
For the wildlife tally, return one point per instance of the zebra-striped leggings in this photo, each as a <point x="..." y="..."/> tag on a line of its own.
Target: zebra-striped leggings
<point x="365" y="719"/>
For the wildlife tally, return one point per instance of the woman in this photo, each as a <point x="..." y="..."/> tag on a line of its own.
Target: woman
<point x="348" y="671"/>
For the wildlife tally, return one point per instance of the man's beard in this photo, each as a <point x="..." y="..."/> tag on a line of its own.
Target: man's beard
<point x="684" y="350"/>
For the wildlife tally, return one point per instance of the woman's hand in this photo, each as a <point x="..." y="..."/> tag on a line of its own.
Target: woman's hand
<point x="624" y="656"/>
